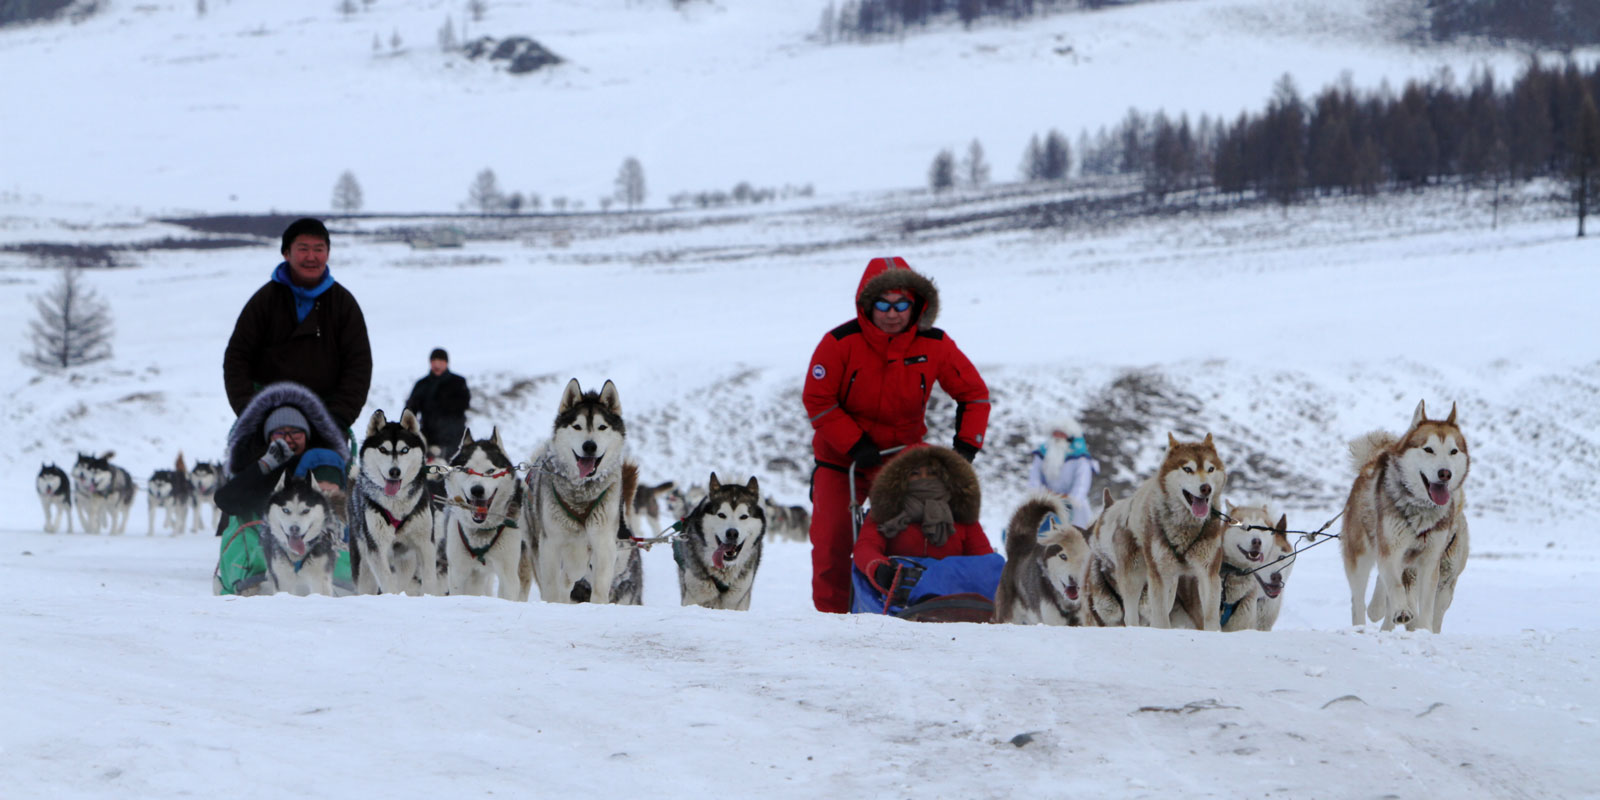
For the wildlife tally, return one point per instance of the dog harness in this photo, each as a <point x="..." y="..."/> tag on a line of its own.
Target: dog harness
<point x="581" y="519"/>
<point x="422" y="502"/>
<point x="510" y="515"/>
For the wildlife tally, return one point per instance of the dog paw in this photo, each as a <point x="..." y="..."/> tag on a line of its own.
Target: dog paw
<point x="581" y="591"/>
<point x="1402" y="616"/>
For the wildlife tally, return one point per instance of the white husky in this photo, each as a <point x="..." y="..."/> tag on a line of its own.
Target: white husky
<point x="204" y="480"/>
<point x="392" y="544"/>
<point x="300" y="541"/>
<point x="1406" y="514"/>
<point x="105" y="493"/>
<point x="485" y="550"/>
<point x="55" y="497"/>
<point x="576" y="495"/>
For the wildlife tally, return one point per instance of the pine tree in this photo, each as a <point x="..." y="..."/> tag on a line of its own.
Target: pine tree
<point x="1586" y="156"/>
<point x="484" y="193"/>
<point x="347" y="193"/>
<point x="942" y="175"/>
<point x="73" y="328"/>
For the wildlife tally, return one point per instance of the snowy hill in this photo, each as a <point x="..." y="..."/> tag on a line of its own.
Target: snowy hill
<point x="1283" y="333"/>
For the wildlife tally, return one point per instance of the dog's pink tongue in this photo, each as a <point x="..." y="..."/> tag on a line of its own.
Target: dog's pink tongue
<point x="719" y="558"/>
<point x="391" y="488"/>
<point x="1439" y="493"/>
<point x="586" y="467"/>
<point x="297" y="544"/>
<point x="1072" y="591"/>
<point x="1199" y="506"/>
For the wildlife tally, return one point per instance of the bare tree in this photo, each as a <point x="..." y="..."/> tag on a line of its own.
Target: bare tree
<point x="347" y="193"/>
<point x="974" y="169"/>
<point x="447" y="36"/>
<point x="73" y="328"/>
<point x="630" y="183"/>
<point x="484" y="193"/>
<point x="348" y="8"/>
<point x="395" y="40"/>
<point x="1586" y="157"/>
<point x="477" y="8"/>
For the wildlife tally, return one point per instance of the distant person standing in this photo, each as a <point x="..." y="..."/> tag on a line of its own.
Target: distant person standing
<point x="301" y="327"/>
<point x="1063" y="465"/>
<point x="441" y="399"/>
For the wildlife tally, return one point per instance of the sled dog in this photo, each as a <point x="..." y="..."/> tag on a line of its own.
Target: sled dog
<point x="1047" y="566"/>
<point x="1102" y="605"/>
<point x="392" y="544"/>
<point x="1406" y="515"/>
<point x="168" y="490"/>
<point x="577" y="489"/>
<point x="1244" y="550"/>
<point x="55" y="497"/>
<point x="721" y="547"/>
<point x="105" y="494"/>
<point x="787" y="522"/>
<point x="300" y="541"/>
<point x="647" y="505"/>
<point x="1165" y="531"/>
<point x="204" y="480"/>
<point x="1277" y="564"/>
<point x="480" y="522"/>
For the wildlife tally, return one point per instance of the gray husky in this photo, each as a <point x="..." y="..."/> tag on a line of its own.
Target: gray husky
<point x="721" y="547"/>
<point x="55" y="497"/>
<point x="393" y="547"/>
<point x="300" y="542"/>
<point x="1047" y="565"/>
<point x="204" y="480"/>
<point x="480" y="522"/>
<point x="169" y="490"/>
<point x="580" y="484"/>
<point x="105" y="493"/>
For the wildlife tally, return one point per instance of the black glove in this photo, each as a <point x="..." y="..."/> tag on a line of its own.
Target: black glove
<point x="278" y="454"/>
<point x="965" y="450"/>
<point x="865" y="453"/>
<point x="896" y="579"/>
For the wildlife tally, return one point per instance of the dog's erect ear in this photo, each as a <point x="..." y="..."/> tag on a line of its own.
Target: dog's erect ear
<point x="1229" y="507"/>
<point x="109" y="454"/>
<point x="282" y="479"/>
<point x="1451" y="420"/>
<point x="572" y="396"/>
<point x="1209" y="443"/>
<point x="1172" y="442"/>
<point x="1048" y="526"/>
<point x="1283" y="524"/>
<point x="1106" y="500"/>
<point x="179" y="466"/>
<point x="715" y="484"/>
<point x="466" y="439"/>
<point x="608" y="398"/>
<point x="408" y="421"/>
<point x="1420" y="415"/>
<point x="376" y="422"/>
<point x="754" y="486"/>
<point x="494" y="436"/>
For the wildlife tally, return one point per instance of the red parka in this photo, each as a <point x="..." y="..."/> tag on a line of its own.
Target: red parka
<point x="888" y="498"/>
<point x="864" y="381"/>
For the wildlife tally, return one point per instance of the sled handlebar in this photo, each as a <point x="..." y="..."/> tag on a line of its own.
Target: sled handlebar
<point x="856" y="515"/>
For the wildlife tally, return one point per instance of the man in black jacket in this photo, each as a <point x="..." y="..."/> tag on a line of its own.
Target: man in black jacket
<point x="441" y="399"/>
<point x="303" y="327"/>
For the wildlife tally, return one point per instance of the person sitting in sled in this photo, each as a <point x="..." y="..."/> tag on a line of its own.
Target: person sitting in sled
<point x="925" y="504"/>
<point x="284" y="430"/>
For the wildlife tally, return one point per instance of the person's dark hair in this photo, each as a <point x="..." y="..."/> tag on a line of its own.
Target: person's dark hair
<point x="305" y="226"/>
<point x="439" y="354"/>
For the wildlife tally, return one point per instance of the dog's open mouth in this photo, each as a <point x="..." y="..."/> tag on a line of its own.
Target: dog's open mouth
<point x="480" y="511"/>
<point x="297" y="544"/>
<point x="1198" y="506"/>
<point x="727" y="551"/>
<point x="1254" y="553"/>
<point x="587" y="465"/>
<point x="1439" y="492"/>
<point x="1071" y="589"/>
<point x="1273" y="588"/>
<point x="391" y="487"/>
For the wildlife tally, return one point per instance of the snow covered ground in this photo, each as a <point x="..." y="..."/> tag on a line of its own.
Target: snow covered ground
<point x="1283" y="333"/>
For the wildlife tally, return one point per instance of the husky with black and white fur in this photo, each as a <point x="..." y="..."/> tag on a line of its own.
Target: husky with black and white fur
<point x="393" y="547"/>
<point x="105" y="493"/>
<point x="55" y="497"/>
<point x="480" y="522"/>
<point x="300" y="544"/>
<point x="204" y="480"/>
<point x="721" y="547"/>
<point x="169" y="491"/>
<point x="578" y="487"/>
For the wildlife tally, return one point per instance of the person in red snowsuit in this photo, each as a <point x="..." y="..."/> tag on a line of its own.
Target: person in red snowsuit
<point x="925" y="504"/>
<point x="867" y="391"/>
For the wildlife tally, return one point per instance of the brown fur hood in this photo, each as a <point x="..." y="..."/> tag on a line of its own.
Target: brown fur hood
<point x="889" y="488"/>
<point x="884" y="274"/>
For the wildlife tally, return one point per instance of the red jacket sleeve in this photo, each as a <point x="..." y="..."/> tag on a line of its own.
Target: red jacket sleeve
<point x="821" y="396"/>
<point x="974" y="542"/>
<point x="869" y="552"/>
<point x="962" y="382"/>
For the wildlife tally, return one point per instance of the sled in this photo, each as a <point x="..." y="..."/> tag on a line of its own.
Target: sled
<point x="952" y="589"/>
<point x="242" y="566"/>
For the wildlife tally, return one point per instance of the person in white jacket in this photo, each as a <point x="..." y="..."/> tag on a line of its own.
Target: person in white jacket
<point x="1063" y="465"/>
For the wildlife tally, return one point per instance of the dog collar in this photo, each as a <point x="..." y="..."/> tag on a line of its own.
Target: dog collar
<point x="581" y="519"/>
<point x="480" y="552"/>
<point x="422" y="502"/>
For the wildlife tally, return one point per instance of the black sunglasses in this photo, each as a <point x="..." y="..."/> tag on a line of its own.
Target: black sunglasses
<point x="885" y="305"/>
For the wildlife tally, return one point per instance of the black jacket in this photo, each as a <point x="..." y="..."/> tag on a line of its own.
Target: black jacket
<point x="441" y="400"/>
<point x="327" y="353"/>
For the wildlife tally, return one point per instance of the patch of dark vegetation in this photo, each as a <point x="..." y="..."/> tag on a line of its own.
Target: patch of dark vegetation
<point x="1550" y="23"/>
<point x="267" y="226"/>
<point x="109" y="256"/>
<point x="22" y="12"/>
<point x="519" y="53"/>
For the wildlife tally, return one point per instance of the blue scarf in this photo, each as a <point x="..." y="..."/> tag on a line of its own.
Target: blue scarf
<point x="304" y="298"/>
<point x="1078" y="448"/>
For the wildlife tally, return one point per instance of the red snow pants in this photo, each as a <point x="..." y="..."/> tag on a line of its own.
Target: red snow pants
<point x="832" y="538"/>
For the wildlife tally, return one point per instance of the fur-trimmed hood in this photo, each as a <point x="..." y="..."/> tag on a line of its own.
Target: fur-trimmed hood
<point x="247" y="442"/>
<point x="889" y="488"/>
<point x="884" y="274"/>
